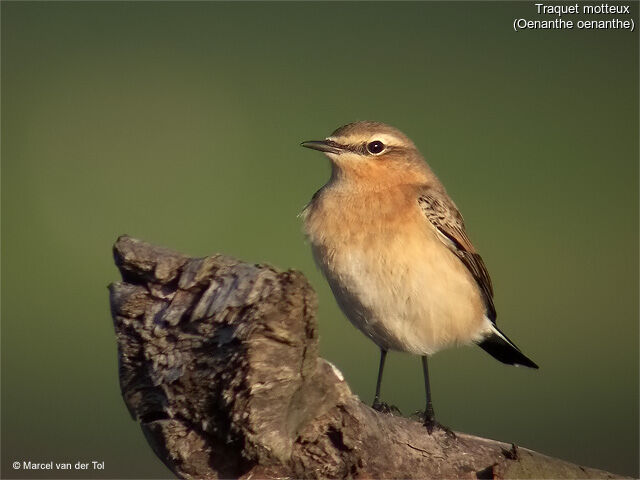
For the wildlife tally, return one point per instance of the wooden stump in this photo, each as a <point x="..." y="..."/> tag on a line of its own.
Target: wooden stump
<point x="219" y="363"/>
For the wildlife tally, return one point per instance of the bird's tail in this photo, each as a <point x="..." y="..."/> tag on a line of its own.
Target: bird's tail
<point x="501" y="348"/>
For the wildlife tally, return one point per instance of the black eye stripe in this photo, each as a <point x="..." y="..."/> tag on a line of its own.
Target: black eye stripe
<point x="333" y="144"/>
<point x="361" y="148"/>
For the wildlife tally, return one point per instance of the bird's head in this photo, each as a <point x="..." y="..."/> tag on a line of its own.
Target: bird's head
<point x="372" y="154"/>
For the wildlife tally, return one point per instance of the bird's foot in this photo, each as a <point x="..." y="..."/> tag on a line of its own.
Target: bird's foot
<point x="385" y="408"/>
<point x="431" y="424"/>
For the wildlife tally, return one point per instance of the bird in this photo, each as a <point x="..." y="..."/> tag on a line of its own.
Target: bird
<point x="394" y="249"/>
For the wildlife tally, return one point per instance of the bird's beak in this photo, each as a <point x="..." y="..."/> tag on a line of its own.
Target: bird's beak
<point x="326" y="146"/>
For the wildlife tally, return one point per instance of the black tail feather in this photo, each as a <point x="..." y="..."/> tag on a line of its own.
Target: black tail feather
<point x="502" y="349"/>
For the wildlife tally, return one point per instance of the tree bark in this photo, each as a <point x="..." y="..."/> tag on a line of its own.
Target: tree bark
<point x="218" y="361"/>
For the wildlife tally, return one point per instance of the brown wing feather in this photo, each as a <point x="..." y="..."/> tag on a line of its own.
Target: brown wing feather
<point x="445" y="217"/>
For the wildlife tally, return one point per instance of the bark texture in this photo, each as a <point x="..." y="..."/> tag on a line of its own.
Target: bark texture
<point x="218" y="362"/>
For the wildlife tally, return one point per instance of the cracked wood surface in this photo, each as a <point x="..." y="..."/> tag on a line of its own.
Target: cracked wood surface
<point x="218" y="362"/>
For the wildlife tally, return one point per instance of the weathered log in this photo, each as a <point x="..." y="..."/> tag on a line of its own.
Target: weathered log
<point x="219" y="364"/>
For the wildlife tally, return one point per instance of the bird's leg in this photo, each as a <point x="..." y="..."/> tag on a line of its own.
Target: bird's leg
<point x="429" y="416"/>
<point x="377" y="404"/>
<point x="383" y="357"/>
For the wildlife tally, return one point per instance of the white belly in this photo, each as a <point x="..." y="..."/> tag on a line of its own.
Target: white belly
<point x="410" y="294"/>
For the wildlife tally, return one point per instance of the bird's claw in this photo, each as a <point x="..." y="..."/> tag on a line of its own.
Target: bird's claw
<point x="431" y="424"/>
<point x="385" y="408"/>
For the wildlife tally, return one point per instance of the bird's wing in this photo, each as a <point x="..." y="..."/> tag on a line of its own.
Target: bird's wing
<point x="445" y="217"/>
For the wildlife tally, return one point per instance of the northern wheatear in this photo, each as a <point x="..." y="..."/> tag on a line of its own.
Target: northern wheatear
<point x="394" y="250"/>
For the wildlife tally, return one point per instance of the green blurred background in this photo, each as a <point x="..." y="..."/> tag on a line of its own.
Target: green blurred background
<point x="180" y="123"/>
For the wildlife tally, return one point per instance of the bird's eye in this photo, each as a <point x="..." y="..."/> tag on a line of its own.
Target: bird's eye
<point x="375" y="147"/>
